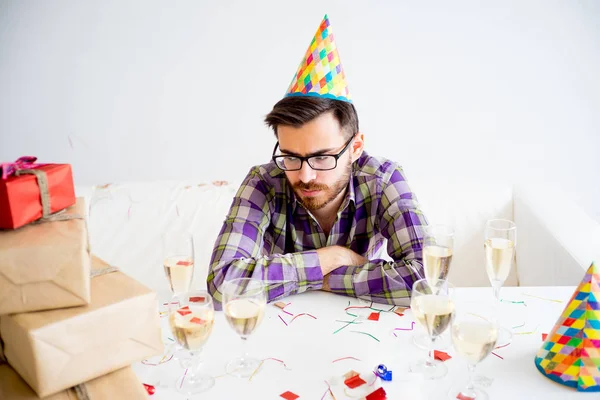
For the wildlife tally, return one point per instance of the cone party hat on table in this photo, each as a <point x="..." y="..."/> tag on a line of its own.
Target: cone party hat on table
<point x="570" y="354"/>
<point x="320" y="73"/>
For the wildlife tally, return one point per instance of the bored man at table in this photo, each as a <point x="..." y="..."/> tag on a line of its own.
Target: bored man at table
<point x="317" y="215"/>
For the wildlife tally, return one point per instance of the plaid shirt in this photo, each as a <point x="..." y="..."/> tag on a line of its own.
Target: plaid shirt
<point x="268" y="235"/>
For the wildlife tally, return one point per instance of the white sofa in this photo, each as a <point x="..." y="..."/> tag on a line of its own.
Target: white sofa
<point x="556" y="241"/>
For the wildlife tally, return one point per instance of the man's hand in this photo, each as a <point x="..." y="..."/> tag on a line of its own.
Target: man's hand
<point x="333" y="257"/>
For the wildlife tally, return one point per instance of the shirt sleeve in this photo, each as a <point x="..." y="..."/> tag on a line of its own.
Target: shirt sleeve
<point x="402" y="223"/>
<point x="238" y="249"/>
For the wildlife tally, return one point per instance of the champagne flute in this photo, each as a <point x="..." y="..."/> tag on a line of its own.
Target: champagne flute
<point x="474" y="335"/>
<point x="438" y="246"/>
<point x="500" y="245"/>
<point x="178" y="260"/>
<point x="433" y="307"/>
<point x="191" y="319"/>
<point x="244" y="302"/>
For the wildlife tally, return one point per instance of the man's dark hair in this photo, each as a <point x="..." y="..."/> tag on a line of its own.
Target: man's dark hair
<point x="298" y="110"/>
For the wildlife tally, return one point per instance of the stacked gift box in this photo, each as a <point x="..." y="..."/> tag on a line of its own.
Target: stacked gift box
<point x="70" y="325"/>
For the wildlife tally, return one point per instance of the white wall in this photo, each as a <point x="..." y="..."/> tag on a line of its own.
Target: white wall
<point x="138" y="90"/>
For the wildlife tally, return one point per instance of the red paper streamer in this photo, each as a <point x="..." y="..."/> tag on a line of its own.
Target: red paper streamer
<point x="282" y="320"/>
<point x="299" y="315"/>
<point x="345" y="358"/>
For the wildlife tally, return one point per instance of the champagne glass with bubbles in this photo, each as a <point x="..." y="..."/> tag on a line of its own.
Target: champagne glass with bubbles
<point x="191" y="319"/>
<point x="500" y="246"/>
<point x="438" y="247"/>
<point x="474" y="334"/>
<point x="244" y="302"/>
<point x="433" y="307"/>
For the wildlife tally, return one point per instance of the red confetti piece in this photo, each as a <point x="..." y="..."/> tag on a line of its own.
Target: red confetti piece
<point x="544" y="336"/>
<point x="299" y="315"/>
<point x="464" y="397"/>
<point x="183" y="311"/>
<point x="149" y="388"/>
<point x="185" y="263"/>
<point x="197" y="299"/>
<point x="379" y="394"/>
<point x="374" y="316"/>
<point x="289" y="395"/>
<point x="197" y="320"/>
<point x="440" y="355"/>
<point x="350" y="374"/>
<point x="354" y="382"/>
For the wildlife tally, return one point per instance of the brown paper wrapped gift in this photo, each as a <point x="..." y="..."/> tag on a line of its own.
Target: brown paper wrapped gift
<point x="121" y="384"/>
<point x="57" y="349"/>
<point x="47" y="265"/>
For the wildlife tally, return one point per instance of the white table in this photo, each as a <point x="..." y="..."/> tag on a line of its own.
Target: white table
<point x="308" y="347"/>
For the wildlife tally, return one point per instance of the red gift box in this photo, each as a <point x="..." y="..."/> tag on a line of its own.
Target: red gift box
<point x="20" y="194"/>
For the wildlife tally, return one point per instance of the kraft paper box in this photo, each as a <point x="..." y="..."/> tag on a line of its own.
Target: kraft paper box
<point x="121" y="384"/>
<point x="45" y="266"/>
<point x="58" y="349"/>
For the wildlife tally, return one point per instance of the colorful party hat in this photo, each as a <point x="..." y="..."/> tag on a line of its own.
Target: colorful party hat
<point x="571" y="353"/>
<point x="321" y="73"/>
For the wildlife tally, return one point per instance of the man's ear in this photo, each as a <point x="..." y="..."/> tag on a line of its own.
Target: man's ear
<point x="357" y="146"/>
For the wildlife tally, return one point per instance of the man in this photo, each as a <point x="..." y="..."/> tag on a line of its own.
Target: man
<point x="317" y="216"/>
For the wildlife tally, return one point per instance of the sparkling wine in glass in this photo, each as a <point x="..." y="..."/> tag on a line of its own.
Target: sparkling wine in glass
<point x="191" y="319"/>
<point x="433" y="307"/>
<point x="244" y="302"/>
<point x="500" y="246"/>
<point x="178" y="260"/>
<point x="438" y="246"/>
<point x="474" y="335"/>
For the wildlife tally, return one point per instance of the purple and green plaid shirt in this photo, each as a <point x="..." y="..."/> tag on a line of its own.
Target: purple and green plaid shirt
<point x="269" y="235"/>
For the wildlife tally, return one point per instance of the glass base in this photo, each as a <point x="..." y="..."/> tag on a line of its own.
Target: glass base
<point x="429" y="369"/>
<point x="242" y="367"/>
<point x="505" y="336"/>
<point x="422" y="341"/>
<point x="463" y="393"/>
<point x="199" y="384"/>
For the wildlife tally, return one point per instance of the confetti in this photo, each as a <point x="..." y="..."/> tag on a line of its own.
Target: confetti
<point x="282" y="320"/>
<point x="299" y="315"/>
<point x="197" y="299"/>
<point x="542" y="298"/>
<point x="328" y="391"/>
<point x="365" y="333"/>
<point x="464" y="397"/>
<point x="183" y="379"/>
<point x="184" y="263"/>
<point x="289" y="395"/>
<point x="412" y="326"/>
<point x="513" y="302"/>
<point x="354" y="382"/>
<point x="162" y="361"/>
<point x="544" y="336"/>
<point x="500" y="357"/>
<point x="348" y="324"/>
<point x="183" y="311"/>
<point x="379" y="394"/>
<point x="149" y="388"/>
<point x="345" y="358"/>
<point x="374" y="316"/>
<point x="220" y="183"/>
<point x="441" y="356"/>
<point x="501" y="347"/>
<point x="350" y="374"/>
<point x="281" y="304"/>
<point x="383" y="372"/>
<point x="197" y="320"/>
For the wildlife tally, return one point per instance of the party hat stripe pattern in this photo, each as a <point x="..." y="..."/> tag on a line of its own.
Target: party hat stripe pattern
<point x="321" y="73"/>
<point x="571" y="353"/>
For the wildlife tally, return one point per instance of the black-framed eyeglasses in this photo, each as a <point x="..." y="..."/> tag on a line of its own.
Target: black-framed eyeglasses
<point x="321" y="162"/>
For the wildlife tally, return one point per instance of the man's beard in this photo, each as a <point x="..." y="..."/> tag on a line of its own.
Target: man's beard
<point x="327" y="194"/>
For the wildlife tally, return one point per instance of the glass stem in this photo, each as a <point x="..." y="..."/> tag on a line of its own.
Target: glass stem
<point x="431" y="358"/>
<point x="471" y="385"/>
<point x="193" y="366"/>
<point x="244" y="348"/>
<point x="497" y="293"/>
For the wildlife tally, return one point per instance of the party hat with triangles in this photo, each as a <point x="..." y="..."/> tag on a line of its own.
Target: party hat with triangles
<point x="321" y="73"/>
<point x="570" y="354"/>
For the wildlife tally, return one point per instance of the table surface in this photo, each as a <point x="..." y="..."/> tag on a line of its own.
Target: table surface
<point x="309" y="346"/>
